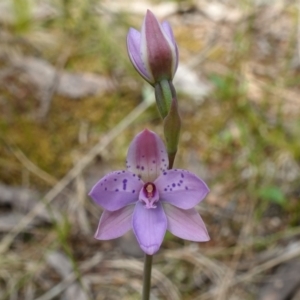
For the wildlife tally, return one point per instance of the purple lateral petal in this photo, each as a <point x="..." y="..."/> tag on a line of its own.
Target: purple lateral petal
<point x="147" y="156"/>
<point x="181" y="188"/>
<point x="114" y="224"/>
<point x="157" y="49"/>
<point x="186" y="224"/>
<point x="134" y="52"/>
<point x="176" y="60"/>
<point x="149" y="227"/>
<point x="116" y="190"/>
<point x="168" y="30"/>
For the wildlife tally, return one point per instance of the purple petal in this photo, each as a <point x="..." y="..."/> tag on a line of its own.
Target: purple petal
<point x="134" y="52"/>
<point x="186" y="224"/>
<point x="168" y="30"/>
<point x="114" y="224"/>
<point x="176" y="60"/>
<point x="149" y="227"/>
<point x="116" y="190"/>
<point x="181" y="188"/>
<point x="157" y="49"/>
<point x="147" y="156"/>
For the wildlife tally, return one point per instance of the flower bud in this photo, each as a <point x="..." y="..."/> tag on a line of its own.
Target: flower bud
<point x="153" y="51"/>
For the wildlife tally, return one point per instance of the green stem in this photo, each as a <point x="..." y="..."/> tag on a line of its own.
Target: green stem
<point x="147" y="277"/>
<point x="171" y="159"/>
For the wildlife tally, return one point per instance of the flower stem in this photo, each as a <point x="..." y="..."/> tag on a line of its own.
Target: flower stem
<point x="171" y="159"/>
<point x="147" y="277"/>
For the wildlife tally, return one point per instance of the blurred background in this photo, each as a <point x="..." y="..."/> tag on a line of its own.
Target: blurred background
<point x="70" y="103"/>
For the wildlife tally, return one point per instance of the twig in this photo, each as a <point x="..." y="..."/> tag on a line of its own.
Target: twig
<point x="30" y="166"/>
<point x="47" y="96"/>
<point x="170" y="290"/>
<point x="64" y="284"/>
<point x="289" y="254"/>
<point x="222" y="289"/>
<point x="215" y="270"/>
<point x="81" y="213"/>
<point x="298" y="32"/>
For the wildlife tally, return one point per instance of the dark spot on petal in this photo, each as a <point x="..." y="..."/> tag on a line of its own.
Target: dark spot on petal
<point x="133" y="191"/>
<point x="105" y="189"/>
<point x="142" y="168"/>
<point x="186" y="188"/>
<point x="125" y="180"/>
<point x="163" y="159"/>
<point x="181" y="181"/>
<point x="178" y="184"/>
<point x="115" y="179"/>
<point x="182" y="176"/>
<point x="165" y="173"/>
<point x="165" y="190"/>
<point x="173" y="184"/>
<point x="123" y="171"/>
<point x="116" y="190"/>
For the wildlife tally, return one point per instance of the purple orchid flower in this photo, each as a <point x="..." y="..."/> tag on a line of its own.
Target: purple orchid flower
<point x="153" y="52"/>
<point x="149" y="198"/>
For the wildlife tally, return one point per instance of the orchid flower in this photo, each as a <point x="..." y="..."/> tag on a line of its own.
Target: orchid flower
<point x="149" y="198"/>
<point x="153" y="51"/>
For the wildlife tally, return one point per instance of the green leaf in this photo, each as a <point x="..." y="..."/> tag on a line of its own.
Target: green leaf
<point x="272" y="194"/>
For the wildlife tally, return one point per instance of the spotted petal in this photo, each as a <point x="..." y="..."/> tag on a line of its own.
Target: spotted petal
<point x="147" y="156"/>
<point x="186" y="224"/>
<point x="116" y="190"/>
<point x="149" y="227"/>
<point x="134" y="52"/>
<point x="181" y="188"/>
<point x="114" y="224"/>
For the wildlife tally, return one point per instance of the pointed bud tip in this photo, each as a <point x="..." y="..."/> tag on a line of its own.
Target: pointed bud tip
<point x="149" y="12"/>
<point x="146" y="132"/>
<point x="150" y="16"/>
